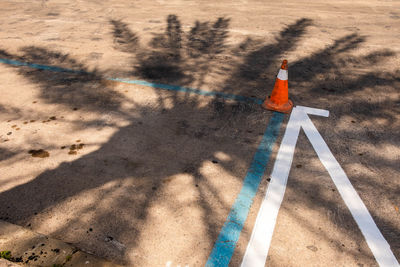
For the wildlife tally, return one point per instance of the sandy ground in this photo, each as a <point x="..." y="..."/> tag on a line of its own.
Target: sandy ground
<point x="153" y="174"/>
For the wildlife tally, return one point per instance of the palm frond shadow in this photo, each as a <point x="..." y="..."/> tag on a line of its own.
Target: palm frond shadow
<point x="182" y="127"/>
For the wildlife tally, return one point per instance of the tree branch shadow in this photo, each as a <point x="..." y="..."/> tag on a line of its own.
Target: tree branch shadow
<point x="185" y="59"/>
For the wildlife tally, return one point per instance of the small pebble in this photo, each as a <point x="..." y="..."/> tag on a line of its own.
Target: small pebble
<point x="40" y="153"/>
<point x="312" y="248"/>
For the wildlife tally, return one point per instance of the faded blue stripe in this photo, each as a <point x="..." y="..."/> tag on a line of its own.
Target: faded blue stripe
<point x="191" y="90"/>
<point x="139" y="82"/>
<point x="226" y="242"/>
<point x="230" y="232"/>
<point x="38" y="66"/>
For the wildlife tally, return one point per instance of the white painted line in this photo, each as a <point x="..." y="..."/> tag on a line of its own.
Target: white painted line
<point x="257" y="249"/>
<point x="375" y="240"/>
<point x="314" y="111"/>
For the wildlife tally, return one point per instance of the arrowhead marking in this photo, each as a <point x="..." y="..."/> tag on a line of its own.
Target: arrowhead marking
<point x="257" y="249"/>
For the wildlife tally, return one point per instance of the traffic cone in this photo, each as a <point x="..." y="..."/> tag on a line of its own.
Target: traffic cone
<point x="279" y="99"/>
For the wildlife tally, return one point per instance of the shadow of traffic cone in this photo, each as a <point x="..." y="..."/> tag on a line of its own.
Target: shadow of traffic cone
<point x="279" y="99"/>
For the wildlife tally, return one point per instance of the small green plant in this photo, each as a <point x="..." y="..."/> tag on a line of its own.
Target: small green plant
<point x="68" y="258"/>
<point x="6" y="254"/>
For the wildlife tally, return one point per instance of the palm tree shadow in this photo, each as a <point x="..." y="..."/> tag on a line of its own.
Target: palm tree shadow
<point x="130" y="172"/>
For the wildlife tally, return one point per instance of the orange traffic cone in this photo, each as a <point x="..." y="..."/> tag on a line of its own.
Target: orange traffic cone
<point x="279" y="99"/>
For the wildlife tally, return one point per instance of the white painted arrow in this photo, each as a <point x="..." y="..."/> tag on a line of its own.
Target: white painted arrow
<point x="260" y="240"/>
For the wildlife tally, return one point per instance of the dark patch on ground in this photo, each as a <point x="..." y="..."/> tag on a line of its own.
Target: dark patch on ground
<point x="39" y="153"/>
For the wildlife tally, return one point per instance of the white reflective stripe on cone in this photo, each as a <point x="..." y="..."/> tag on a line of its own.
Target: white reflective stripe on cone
<point x="282" y="75"/>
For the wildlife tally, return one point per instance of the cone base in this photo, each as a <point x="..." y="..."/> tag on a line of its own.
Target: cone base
<point x="284" y="108"/>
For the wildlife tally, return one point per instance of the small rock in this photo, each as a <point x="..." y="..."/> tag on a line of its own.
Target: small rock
<point x="40" y="153"/>
<point x="108" y="238"/>
<point x="312" y="248"/>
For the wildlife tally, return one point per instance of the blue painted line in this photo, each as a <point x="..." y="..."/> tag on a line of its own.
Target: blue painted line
<point x="39" y="66"/>
<point x="230" y="232"/>
<point x="229" y="235"/>
<point x="139" y="82"/>
<point x="191" y="90"/>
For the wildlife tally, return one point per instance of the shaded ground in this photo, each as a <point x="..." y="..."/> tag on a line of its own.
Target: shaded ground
<point x="158" y="171"/>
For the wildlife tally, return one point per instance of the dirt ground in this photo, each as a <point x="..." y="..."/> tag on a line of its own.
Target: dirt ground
<point x="146" y="177"/>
